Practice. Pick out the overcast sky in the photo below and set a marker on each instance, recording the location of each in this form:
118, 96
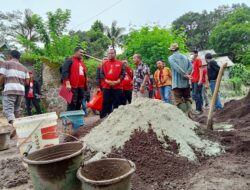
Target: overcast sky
126, 12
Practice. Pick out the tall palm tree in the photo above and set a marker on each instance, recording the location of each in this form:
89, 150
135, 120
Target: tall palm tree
27, 27
23, 30
115, 34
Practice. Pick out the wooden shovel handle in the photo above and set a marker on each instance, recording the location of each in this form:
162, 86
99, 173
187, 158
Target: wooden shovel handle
217, 87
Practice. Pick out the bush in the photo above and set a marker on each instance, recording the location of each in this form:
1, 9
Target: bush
237, 83
92, 66
239, 71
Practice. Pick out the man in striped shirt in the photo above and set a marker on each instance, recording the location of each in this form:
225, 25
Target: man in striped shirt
14, 76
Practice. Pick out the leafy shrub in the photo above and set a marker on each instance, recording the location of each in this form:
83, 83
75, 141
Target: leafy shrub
239, 71
91, 65
237, 83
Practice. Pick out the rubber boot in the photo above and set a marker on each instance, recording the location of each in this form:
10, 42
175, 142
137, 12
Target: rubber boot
189, 107
182, 107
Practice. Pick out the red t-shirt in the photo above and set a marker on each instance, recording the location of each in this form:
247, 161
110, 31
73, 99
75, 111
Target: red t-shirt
30, 93
77, 73
127, 82
204, 73
112, 71
196, 70
81, 75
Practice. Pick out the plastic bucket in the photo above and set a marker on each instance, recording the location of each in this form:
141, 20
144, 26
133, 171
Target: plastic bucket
4, 140
75, 117
45, 135
107, 174
55, 168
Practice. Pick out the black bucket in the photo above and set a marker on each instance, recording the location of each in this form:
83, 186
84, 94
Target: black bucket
55, 168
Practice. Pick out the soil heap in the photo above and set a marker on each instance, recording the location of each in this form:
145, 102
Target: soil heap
168, 123
236, 112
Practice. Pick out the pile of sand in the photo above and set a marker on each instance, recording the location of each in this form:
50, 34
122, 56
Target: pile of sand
167, 121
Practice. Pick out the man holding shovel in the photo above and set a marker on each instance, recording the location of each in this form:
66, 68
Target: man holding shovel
181, 70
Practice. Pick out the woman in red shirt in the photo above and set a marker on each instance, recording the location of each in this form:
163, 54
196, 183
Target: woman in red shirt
127, 84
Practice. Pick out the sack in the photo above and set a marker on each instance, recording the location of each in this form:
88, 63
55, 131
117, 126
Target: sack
96, 102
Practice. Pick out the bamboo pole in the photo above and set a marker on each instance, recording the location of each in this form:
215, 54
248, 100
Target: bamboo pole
25, 140
217, 87
97, 59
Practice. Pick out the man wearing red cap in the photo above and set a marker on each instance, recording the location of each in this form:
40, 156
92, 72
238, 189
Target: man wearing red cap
32, 95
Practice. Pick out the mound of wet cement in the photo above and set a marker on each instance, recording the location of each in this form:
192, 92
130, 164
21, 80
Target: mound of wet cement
167, 121
12, 173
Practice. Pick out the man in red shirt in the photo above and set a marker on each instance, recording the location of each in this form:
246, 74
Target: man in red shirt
197, 82
127, 84
112, 73
205, 87
75, 79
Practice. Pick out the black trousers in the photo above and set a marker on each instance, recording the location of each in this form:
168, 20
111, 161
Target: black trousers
111, 100
78, 94
35, 102
126, 97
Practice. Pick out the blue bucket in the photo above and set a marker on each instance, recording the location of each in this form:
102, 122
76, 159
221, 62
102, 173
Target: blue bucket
76, 117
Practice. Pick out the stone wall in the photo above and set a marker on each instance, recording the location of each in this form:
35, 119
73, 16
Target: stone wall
50, 90
53, 101
51, 76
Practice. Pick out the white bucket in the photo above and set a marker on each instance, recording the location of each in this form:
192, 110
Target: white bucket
45, 135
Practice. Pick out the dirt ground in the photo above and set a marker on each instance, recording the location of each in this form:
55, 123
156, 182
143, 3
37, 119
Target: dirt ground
14, 174
159, 170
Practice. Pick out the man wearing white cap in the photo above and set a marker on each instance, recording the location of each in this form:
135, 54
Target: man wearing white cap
181, 70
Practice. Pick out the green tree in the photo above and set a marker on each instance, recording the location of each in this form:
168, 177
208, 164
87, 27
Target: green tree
198, 26
96, 41
152, 43
16, 23
189, 23
57, 45
115, 34
54, 26
232, 35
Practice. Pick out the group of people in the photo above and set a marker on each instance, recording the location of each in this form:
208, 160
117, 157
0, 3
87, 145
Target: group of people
120, 85
186, 73
117, 81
